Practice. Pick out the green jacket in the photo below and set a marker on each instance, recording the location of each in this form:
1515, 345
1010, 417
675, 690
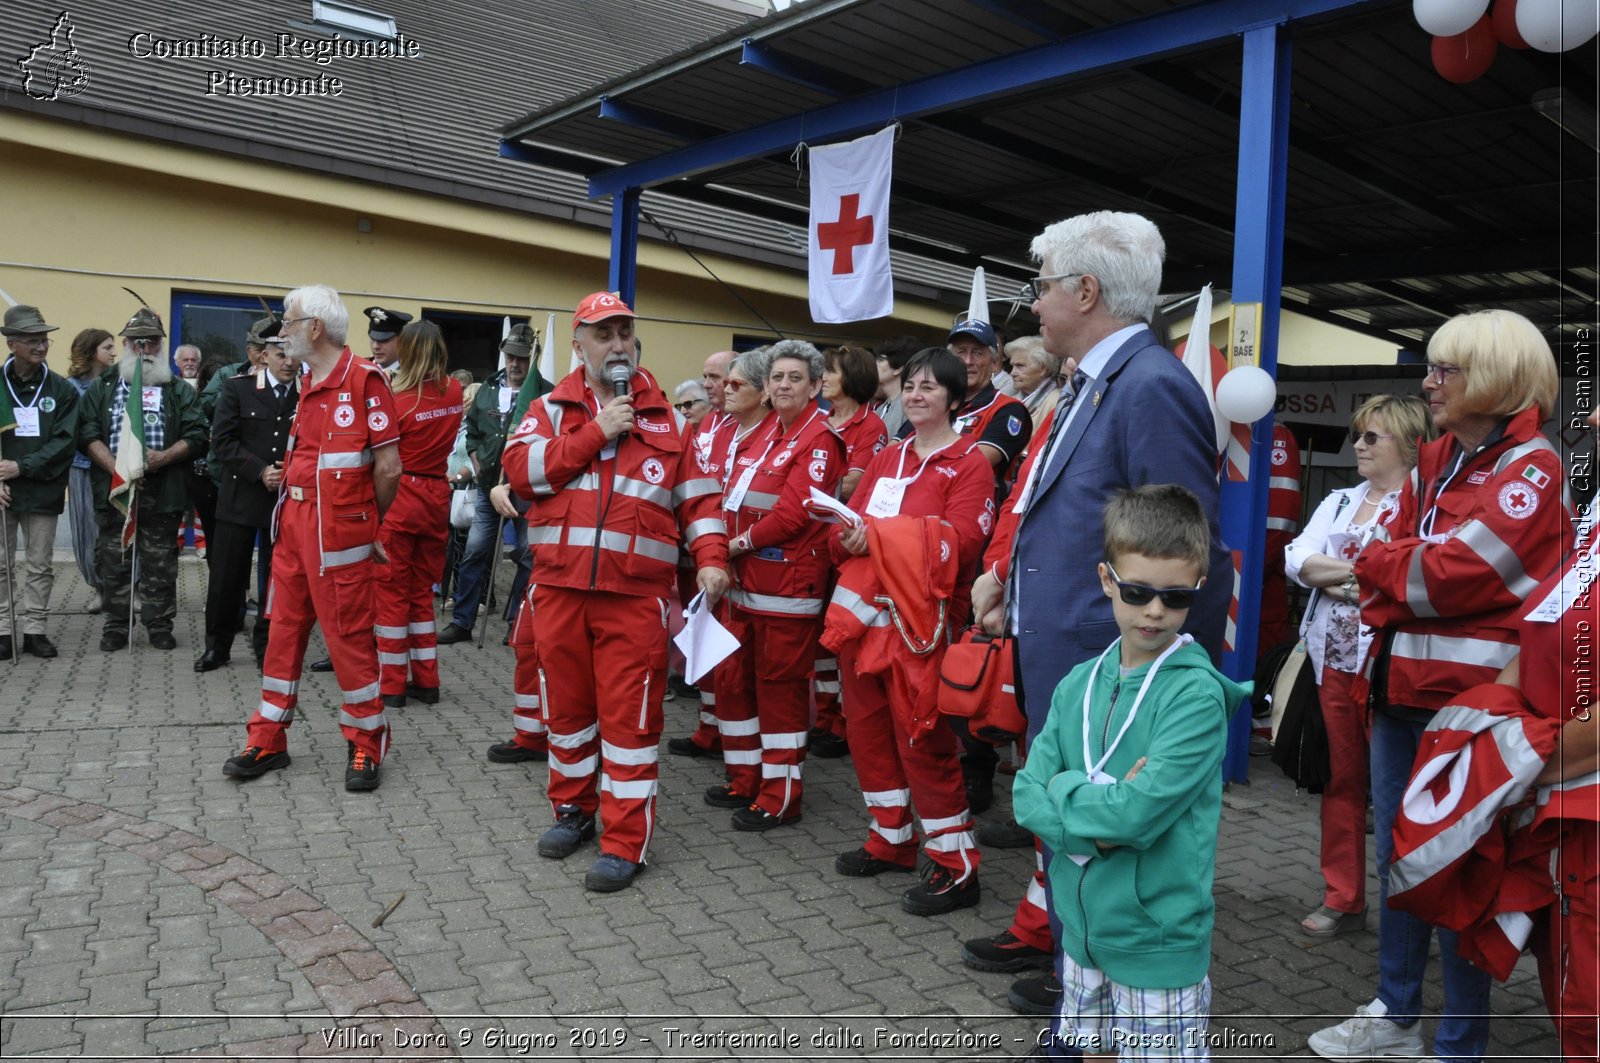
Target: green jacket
45, 459
165, 490
1140, 912
487, 427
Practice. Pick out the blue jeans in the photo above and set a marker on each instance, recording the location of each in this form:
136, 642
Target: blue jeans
473, 572
1403, 939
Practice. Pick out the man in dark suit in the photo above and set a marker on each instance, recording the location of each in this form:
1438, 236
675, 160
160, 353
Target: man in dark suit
1137, 417
248, 435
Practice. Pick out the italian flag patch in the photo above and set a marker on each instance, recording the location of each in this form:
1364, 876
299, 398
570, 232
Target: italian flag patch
1535, 477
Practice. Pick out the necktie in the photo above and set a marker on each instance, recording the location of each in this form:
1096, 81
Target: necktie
1079, 379
277, 392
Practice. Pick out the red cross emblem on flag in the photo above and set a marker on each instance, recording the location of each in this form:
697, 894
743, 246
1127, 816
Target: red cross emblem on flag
843, 236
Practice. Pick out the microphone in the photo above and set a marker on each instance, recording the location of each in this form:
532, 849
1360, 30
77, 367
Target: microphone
621, 377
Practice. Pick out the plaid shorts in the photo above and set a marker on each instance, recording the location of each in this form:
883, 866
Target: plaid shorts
1099, 1016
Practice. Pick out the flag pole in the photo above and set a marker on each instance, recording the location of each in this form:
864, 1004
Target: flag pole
133, 575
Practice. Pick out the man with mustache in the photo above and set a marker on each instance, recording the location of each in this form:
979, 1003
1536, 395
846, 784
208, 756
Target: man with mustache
174, 435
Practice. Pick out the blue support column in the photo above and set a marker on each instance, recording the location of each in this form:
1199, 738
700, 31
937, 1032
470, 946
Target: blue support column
1257, 278
625, 244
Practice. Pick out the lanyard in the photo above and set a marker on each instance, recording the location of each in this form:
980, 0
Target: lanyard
1431, 514
901, 467
1092, 771
733, 450
16, 403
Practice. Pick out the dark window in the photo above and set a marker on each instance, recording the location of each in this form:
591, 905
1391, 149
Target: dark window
473, 340
217, 324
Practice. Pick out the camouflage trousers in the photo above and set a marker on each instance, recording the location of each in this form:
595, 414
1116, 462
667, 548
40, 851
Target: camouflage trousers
157, 546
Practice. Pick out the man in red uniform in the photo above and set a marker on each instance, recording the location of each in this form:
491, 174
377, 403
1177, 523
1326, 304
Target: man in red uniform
340, 473
615, 484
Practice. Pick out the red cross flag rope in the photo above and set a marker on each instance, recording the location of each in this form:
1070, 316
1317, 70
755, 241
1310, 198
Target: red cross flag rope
851, 278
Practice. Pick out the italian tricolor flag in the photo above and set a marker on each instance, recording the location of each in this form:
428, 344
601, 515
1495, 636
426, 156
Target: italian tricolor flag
130, 455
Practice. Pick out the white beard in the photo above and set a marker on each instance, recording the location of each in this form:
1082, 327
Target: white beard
156, 369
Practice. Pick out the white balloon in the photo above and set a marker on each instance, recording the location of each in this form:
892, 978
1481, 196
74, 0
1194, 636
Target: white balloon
1557, 25
1446, 18
1246, 393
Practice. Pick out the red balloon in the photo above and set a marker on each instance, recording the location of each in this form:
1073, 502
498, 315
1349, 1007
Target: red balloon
1504, 16
1465, 56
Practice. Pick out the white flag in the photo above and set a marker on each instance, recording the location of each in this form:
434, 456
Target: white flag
851, 279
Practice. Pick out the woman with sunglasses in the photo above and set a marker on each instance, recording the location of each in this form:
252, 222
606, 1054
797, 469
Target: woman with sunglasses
936, 472
689, 399
1443, 584
1385, 433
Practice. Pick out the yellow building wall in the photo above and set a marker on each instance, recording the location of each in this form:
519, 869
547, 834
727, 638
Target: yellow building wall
87, 212
1303, 341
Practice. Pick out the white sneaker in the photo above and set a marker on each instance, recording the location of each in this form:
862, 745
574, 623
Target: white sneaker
1368, 1035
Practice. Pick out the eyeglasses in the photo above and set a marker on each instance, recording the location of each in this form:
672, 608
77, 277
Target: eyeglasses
1369, 437
1439, 372
1034, 290
286, 322
1139, 594
41, 344
685, 407
735, 384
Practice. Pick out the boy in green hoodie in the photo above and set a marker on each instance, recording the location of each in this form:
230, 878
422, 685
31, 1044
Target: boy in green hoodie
1124, 785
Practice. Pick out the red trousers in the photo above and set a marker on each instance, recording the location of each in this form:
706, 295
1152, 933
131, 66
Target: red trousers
527, 715
1566, 941
341, 600
602, 704
764, 702
896, 775
405, 628
1031, 921
1344, 799
826, 692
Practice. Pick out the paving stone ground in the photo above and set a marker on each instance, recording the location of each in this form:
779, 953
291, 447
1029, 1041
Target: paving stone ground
151, 908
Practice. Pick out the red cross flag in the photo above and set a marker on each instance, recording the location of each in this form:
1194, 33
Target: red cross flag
851, 279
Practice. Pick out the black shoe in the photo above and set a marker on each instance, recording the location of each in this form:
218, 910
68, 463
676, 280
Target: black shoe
827, 745
1004, 953
1035, 996
679, 687
611, 873
394, 701
688, 747
723, 796
452, 634
210, 661
112, 641
759, 819
426, 695
941, 892
362, 771
1008, 835
862, 864
511, 753
324, 665
163, 640
38, 645
572, 829
253, 762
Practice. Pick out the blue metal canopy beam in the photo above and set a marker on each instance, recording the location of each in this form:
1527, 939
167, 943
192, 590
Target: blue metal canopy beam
656, 121
801, 72
1100, 49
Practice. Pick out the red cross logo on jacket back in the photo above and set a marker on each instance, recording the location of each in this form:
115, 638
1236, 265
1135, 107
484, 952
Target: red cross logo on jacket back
842, 237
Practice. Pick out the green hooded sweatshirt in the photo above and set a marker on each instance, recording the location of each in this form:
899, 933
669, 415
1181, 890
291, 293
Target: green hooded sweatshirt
1141, 911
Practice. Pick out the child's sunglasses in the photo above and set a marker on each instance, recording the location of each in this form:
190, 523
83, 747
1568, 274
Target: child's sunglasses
1139, 594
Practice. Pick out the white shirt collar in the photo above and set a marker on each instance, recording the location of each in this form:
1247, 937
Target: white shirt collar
1093, 364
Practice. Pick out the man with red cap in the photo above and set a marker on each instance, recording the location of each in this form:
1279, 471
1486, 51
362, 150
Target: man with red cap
340, 472
615, 484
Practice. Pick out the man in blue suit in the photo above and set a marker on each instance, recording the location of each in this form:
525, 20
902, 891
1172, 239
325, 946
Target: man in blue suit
1137, 417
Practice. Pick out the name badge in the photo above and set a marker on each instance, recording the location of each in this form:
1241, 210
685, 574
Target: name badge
887, 495
506, 397
152, 399
1573, 586
733, 498
27, 422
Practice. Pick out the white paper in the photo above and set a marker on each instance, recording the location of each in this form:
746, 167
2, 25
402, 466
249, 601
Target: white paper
27, 422
827, 508
1574, 585
704, 641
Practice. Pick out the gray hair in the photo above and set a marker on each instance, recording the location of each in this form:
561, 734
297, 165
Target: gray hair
1124, 251
691, 389
1033, 349
801, 350
323, 303
753, 366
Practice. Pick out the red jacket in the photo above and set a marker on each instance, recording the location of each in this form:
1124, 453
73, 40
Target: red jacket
430, 419
863, 435
1447, 574
786, 572
337, 426
997, 558
610, 518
